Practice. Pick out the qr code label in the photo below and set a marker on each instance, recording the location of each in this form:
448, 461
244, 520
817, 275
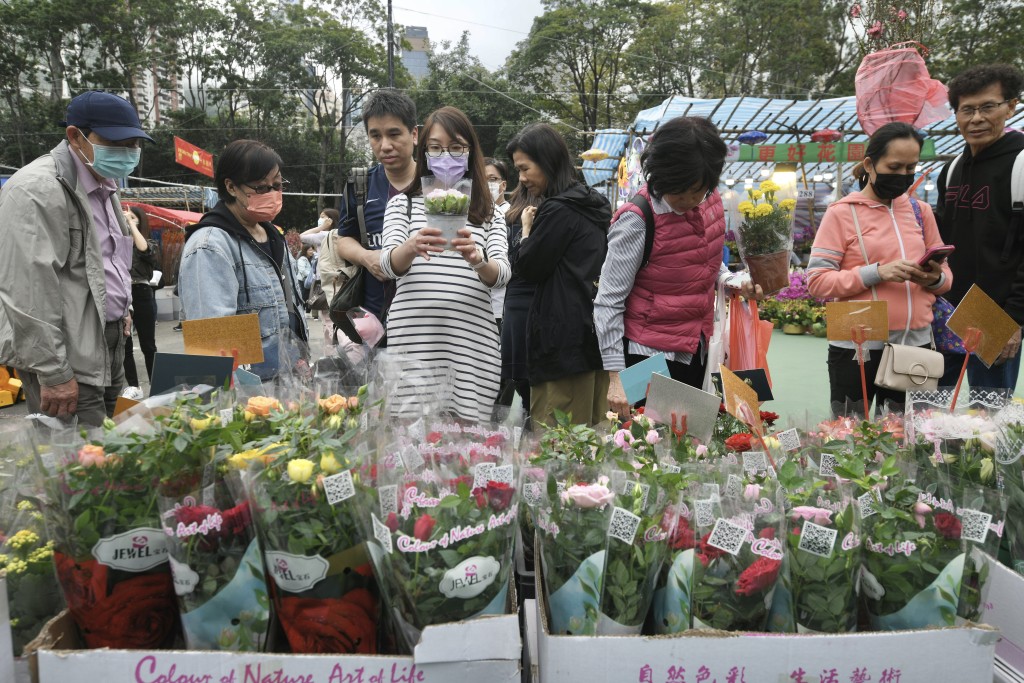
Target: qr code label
866, 502
225, 416
559, 488
733, 486
817, 540
672, 468
411, 458
704, 512
618, 481
827, 466
517, 436
755, 461
482, 474
623, 525
417, 431
727, 536
789, 440
975, 524
532, 493
382, 533
339, 487
388, 496
503, 474
364, 422
772, 474
712, 491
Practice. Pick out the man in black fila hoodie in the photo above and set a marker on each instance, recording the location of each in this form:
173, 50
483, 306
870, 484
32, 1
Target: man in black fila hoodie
975, 210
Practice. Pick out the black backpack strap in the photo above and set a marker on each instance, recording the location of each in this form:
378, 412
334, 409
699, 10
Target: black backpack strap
408, 208
358, 183
640, 202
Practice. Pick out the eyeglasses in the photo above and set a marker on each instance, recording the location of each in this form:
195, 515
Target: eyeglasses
456, 149
263, 189
985, 110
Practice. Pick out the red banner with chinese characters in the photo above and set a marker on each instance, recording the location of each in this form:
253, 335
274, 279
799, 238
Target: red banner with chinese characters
193, 157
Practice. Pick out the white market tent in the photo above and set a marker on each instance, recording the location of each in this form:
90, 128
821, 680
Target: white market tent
783, 121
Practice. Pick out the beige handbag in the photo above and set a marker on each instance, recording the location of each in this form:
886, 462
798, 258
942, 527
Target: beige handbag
909, 368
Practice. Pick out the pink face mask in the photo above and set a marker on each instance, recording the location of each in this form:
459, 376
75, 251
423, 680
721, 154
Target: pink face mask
264, 207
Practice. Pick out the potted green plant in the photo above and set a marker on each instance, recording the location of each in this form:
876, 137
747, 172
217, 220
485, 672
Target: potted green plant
765, 237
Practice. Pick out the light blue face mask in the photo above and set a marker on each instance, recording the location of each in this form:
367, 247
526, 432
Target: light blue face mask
113, 162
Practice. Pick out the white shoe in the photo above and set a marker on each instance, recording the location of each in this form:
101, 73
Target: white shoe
133, 393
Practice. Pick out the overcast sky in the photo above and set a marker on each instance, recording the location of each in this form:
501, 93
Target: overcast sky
494, 27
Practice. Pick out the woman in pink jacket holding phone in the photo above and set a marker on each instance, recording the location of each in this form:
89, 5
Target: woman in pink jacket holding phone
879, 244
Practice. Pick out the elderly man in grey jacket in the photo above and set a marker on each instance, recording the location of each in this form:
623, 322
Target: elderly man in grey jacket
65, 255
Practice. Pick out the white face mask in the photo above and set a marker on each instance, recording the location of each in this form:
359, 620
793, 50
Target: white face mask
324, 220
494, 187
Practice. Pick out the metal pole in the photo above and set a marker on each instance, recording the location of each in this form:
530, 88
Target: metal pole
391, 48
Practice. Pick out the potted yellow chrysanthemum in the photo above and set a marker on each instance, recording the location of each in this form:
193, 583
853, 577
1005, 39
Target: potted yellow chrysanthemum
765, 238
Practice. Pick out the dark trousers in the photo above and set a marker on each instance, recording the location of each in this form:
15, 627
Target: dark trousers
94, 403
144, 319
978, 376
845, 387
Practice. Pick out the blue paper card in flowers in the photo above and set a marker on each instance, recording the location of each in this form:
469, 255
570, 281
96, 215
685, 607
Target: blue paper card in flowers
636, 378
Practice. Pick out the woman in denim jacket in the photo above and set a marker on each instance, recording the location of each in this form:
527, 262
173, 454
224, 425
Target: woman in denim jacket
236, 262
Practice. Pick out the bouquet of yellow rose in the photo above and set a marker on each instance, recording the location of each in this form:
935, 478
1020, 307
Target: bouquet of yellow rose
300, 482
765, 237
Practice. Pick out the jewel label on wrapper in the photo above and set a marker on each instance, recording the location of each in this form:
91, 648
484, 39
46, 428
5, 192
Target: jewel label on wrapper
132, 551
295, 573
339, 487
469, 578
185, 578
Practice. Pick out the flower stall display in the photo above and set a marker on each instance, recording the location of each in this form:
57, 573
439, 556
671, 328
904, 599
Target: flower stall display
739, 555
765, 237
300, 485
440, 525
110, 549
26, 554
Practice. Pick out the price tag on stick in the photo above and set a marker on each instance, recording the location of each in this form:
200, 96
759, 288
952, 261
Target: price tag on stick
978, 310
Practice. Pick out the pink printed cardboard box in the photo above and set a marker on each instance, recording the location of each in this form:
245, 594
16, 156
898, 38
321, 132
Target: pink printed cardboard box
962, 654
1003, 607
485, 649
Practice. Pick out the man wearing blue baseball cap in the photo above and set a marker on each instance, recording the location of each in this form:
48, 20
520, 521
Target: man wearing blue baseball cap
66, 255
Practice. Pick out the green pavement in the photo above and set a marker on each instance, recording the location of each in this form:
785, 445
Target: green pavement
800, 379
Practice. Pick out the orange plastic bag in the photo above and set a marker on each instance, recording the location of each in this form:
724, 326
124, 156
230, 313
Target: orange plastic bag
894, 85
749, 337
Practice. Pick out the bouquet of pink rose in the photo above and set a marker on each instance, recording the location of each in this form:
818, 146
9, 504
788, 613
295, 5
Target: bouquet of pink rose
573, 520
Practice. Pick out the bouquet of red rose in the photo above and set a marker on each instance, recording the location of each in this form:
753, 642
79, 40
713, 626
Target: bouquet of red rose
300, 483
441, 523
738, 557
912, 555
109, 546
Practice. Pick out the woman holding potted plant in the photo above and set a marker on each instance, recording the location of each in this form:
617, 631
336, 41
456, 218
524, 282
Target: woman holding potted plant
666, 304
870, 246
